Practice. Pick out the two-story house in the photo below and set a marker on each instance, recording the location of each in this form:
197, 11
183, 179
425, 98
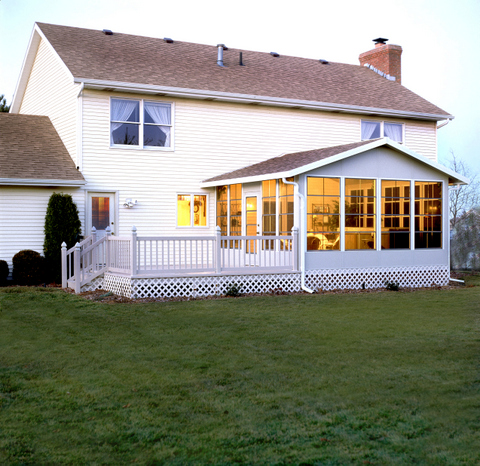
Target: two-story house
185, 140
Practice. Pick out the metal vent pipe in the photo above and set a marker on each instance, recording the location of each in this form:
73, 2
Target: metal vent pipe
221, 48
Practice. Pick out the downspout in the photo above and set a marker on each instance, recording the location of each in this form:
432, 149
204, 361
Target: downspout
301, 233
81, 89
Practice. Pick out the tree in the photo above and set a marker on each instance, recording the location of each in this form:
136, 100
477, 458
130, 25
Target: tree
3, 104
62, 223
465, 244
463, 197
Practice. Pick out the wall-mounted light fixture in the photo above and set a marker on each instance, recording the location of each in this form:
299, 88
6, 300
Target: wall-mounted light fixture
129, 203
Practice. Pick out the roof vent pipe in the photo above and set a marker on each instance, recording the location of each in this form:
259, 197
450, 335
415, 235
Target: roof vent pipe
221, 48
241, 59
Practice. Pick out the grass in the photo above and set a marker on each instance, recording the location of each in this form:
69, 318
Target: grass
378, 378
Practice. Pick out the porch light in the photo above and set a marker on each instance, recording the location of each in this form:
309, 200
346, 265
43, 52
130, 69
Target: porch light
129, 203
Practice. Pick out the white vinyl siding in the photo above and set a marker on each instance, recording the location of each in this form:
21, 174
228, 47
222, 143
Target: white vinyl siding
421, 137
50, 91
22, 217
210, 138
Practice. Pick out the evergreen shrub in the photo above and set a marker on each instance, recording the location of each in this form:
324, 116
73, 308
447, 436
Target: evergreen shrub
3, 272
62, 223
28, 268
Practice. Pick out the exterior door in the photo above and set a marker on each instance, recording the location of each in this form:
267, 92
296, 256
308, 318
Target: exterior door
101, 210
252, 223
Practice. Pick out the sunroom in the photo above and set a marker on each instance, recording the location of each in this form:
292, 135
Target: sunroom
373, 209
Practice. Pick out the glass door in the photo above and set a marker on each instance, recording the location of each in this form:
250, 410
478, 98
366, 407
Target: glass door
101, 213
252, 224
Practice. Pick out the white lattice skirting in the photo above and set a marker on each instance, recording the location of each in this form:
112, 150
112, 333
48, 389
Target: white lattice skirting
317, 280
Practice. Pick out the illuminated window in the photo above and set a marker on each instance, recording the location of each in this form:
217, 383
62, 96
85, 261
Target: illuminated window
191, 213
428, 215
140, 123
269, 199
285, 218
360, 214
395, 214
323, 213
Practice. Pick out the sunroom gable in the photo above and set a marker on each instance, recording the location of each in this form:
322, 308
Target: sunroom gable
301, 162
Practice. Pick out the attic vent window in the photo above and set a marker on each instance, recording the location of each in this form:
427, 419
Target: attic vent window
323, 62
107, 32
274, 54
168, 40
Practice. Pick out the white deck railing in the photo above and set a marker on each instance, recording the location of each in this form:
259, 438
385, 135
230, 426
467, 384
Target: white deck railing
157, 256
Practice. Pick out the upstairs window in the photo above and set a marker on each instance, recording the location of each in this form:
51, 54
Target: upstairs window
141, 124
380, 129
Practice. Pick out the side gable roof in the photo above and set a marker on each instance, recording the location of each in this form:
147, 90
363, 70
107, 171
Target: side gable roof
151, 65
301, 162
32, 153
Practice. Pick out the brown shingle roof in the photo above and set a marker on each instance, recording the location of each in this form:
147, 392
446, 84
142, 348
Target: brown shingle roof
90, 54
31, 149
288, 162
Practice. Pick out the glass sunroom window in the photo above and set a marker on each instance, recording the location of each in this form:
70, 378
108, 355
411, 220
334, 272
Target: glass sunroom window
323, 213
360, 216
395, 214
285, 218
269, 212
428, 215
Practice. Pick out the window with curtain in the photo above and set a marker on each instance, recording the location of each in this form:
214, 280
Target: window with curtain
380, 129
140, 123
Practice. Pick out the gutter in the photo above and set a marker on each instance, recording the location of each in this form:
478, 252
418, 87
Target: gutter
40, 182
252, 99
302, 234
445, 123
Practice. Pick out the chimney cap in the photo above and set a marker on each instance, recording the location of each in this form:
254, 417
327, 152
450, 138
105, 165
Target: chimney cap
380, 41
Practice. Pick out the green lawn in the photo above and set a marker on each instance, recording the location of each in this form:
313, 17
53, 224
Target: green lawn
374, 378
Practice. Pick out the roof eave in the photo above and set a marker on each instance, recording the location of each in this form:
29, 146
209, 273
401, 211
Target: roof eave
96, 84
41, 182
454, 178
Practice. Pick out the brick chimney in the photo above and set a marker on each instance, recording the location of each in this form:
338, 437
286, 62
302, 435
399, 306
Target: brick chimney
386, 58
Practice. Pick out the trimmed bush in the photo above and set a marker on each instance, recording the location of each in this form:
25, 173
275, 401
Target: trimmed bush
3, 272
62, 223
28, 268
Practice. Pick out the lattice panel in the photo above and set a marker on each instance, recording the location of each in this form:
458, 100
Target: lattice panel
317, 280
211, 286
118, 284
95, 284
354, 279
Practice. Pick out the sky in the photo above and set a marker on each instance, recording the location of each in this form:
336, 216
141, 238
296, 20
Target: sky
440, 41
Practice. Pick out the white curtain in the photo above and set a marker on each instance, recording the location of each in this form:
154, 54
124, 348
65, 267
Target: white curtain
160, 114
393, 131
121, 111
368, 128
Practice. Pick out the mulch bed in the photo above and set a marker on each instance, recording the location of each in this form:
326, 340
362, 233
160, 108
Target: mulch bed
109, 297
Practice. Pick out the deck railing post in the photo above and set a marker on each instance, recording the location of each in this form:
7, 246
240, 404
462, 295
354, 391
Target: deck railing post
133, 251
295, 248
64, 265
94, 234
108, 234
76, 268
218, 249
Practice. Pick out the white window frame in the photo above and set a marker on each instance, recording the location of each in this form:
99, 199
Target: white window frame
192, 212
382, 128
141, 125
